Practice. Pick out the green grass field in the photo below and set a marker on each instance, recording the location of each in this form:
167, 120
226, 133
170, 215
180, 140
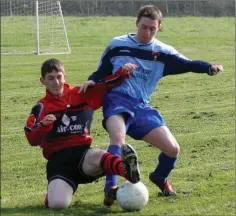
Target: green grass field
199, 110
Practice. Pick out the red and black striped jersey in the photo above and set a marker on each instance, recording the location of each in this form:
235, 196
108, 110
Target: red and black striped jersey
74, 115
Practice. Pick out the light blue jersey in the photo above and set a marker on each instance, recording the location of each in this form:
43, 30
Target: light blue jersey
154, 60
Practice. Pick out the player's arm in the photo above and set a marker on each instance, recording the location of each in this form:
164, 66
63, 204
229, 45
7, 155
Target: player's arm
38, 125
104, 69
111, 80
118, 77
174, 64
95, 95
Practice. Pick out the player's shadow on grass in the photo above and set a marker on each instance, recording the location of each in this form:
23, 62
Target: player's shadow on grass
77, 208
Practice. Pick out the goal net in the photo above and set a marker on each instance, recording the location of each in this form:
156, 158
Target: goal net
29, 26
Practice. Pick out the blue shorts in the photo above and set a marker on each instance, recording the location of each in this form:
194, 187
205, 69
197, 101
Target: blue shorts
141, 117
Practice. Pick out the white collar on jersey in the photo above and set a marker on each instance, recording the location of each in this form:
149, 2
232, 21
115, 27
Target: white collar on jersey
131, 36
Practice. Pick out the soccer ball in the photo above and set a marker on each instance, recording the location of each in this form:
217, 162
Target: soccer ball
132, 197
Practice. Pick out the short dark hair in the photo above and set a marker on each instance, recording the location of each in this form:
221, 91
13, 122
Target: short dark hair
51, 65
150, 11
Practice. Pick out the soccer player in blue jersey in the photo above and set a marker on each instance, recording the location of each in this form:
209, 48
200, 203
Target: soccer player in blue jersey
126, 108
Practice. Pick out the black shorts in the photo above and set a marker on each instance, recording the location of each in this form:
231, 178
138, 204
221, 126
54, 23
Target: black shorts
67, 165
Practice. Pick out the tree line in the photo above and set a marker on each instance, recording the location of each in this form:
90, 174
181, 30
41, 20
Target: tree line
130, 7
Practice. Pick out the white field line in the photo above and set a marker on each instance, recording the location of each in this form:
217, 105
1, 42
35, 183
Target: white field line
190, 91
21, 93
26, 153
16, 129
185, 91
202, 108
31, 192
31, 150
176, 134
169, 112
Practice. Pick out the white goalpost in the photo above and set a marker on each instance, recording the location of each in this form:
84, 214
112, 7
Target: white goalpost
29, 26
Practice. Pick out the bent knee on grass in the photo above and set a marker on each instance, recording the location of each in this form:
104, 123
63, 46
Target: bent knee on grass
59, 194
59, 202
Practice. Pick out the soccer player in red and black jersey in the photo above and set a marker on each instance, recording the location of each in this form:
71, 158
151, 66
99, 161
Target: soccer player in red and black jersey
60, 124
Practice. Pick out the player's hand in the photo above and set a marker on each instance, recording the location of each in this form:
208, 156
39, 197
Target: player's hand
84, 87
128, 68
48, 120
215, 69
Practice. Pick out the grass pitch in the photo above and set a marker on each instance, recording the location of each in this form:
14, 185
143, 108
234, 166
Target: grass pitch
199, 110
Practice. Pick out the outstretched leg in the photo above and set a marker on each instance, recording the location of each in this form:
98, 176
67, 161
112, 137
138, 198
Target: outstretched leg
97, 161
162, 138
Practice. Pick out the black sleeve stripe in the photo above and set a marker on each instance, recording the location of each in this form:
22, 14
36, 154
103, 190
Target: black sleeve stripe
28, 130
37, 110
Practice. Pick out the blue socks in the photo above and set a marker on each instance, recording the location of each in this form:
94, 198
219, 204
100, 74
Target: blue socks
165, 166
112, 180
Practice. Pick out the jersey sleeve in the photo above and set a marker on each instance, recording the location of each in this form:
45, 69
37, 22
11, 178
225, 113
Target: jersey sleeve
35, 132
175, 64
96, 93
104, 67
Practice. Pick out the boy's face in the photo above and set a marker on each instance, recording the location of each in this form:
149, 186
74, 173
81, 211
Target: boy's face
54, 82
147, 29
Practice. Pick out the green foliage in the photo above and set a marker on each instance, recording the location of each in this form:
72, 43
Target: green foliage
199, 110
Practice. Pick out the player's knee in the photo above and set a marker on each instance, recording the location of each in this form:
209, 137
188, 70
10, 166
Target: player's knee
93, 157
174, 151
59, 202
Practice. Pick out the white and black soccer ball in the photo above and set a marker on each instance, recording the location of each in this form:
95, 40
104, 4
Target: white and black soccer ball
132, 197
